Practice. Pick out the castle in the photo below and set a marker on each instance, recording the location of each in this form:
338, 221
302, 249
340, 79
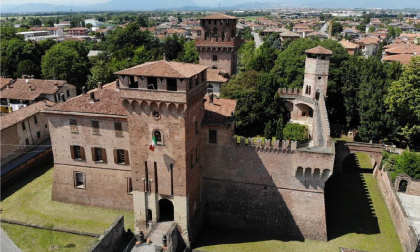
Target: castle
154, 143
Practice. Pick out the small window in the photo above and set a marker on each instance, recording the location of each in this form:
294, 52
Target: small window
35, 119
27, 141
214, 57
98, 154
121, 156
79, 180
95, 127
118, 129
73, 125
192, 159
152, 83
77, 152
171, 84
129, 186
197, 153
158, 136
46, 125
196, 127
68, 93
23, 126
212, 136
38, 134
323, 57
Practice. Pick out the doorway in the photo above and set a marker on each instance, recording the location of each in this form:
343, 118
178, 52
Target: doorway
166, 210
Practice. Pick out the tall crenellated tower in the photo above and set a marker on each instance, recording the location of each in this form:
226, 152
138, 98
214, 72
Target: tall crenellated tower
316, 71
218, 44
165, 104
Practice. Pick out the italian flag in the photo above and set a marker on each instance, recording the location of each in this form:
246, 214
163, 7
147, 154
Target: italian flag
152, 145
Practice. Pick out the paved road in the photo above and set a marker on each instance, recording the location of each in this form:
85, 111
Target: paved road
257, 39
324, 29
7, 245
411, 205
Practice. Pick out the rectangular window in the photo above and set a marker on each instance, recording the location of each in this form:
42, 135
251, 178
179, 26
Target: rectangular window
98, 154
192, 158
77, 152
196, 127
95, 127
68, 93
121, 156
129, 186
27, 141
73, 125
38, 134
35, 119
171, 84
118, 129
197, 153
79, 180
212, 136
214, 57
23, 126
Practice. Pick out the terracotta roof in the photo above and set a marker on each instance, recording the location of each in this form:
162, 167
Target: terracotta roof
107, 102
4, 82
319, 50
163, 68
348, 45
216, 75
78, 29
219, 16
220, 112
44, 28
402, 58
318, 34
289, 34
10, 119
403, 49
368, 41
20, 89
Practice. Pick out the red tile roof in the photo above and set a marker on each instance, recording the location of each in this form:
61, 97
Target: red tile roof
319, 50
348, 45
163, 68
21, 89
402, 58
44, 28
216, 75
4, 82
218, 16
107, 102
10, 119
368, 41
220, 112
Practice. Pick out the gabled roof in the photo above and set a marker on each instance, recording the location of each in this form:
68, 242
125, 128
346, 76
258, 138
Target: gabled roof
44, 28
368, 41
21, 89
163, 68
319, 50
107, 102
348, 45
403, 58
219, 16
220, 112
10, 119
217, 75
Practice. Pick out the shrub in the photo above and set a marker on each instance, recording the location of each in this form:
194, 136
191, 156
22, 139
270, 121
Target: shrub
295, 132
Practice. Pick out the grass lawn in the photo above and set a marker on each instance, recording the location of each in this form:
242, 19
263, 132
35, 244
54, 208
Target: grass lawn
356, 219
343, 138
38, 240
29, 201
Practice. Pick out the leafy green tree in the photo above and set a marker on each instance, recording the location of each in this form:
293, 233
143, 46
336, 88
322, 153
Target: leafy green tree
189, 54
89, 26
403, 100
406, 163
295, 132
337, 28
245, 53
62, 61
173, 46
28, 67
264, 58
46, 44
101, 72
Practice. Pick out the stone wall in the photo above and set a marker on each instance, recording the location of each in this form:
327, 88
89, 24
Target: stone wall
398, 215
110, 239
413, 185
257, 189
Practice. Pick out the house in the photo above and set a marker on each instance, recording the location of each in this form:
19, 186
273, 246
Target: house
37, 35
63, 24
350, 47
22, 92
23, 130
368, 45
56, 31
215, 79
402, 58
267, 32
289, 35
78, 31
93, 22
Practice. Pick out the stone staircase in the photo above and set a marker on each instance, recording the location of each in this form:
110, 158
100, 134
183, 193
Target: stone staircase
156, 237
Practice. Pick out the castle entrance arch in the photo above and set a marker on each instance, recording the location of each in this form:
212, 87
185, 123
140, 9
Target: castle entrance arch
166, 210
402, 187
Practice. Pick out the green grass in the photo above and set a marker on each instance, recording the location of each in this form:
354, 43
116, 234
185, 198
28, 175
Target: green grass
361, 221
31, 203
343, 138
38, 240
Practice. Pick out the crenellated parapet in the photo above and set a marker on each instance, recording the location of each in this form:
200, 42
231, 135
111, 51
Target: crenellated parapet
266, 144
156, 109
296, 94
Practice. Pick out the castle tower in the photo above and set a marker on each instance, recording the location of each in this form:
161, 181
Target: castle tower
316, 71
165, 103
218, 43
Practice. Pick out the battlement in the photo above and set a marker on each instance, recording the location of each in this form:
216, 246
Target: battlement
295, 93
218, 42
267, 144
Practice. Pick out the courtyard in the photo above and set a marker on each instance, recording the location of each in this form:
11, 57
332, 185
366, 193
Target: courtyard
357, 218
29, 201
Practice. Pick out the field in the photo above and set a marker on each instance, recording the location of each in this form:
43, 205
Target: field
30, 201
356, 218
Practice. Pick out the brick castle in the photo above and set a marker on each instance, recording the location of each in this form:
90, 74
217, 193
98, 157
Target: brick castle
197, 172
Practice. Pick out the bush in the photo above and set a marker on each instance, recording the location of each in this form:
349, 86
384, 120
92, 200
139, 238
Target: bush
406, 163
295, 132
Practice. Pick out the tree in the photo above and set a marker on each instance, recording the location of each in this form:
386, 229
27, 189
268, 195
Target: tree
101, 72
28, 67
63, 62
172, 46
264, 58
245, 53
89, 26
403, 100
337, 28
295, 132
189, 53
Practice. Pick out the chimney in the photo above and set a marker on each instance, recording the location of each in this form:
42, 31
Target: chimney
31, 88
84, 90
117, 83
62, 97
211, 98
56, 85
92, 97
24, 76
33, 77
99, 85
164, 56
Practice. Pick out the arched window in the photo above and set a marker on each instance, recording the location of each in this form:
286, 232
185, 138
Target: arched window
402, 187
307, 89
316, 174
215, 31
308, 172
326, 174
158, 135
299, 172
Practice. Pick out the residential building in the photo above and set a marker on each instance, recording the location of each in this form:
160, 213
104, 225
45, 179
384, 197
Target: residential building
78, 31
